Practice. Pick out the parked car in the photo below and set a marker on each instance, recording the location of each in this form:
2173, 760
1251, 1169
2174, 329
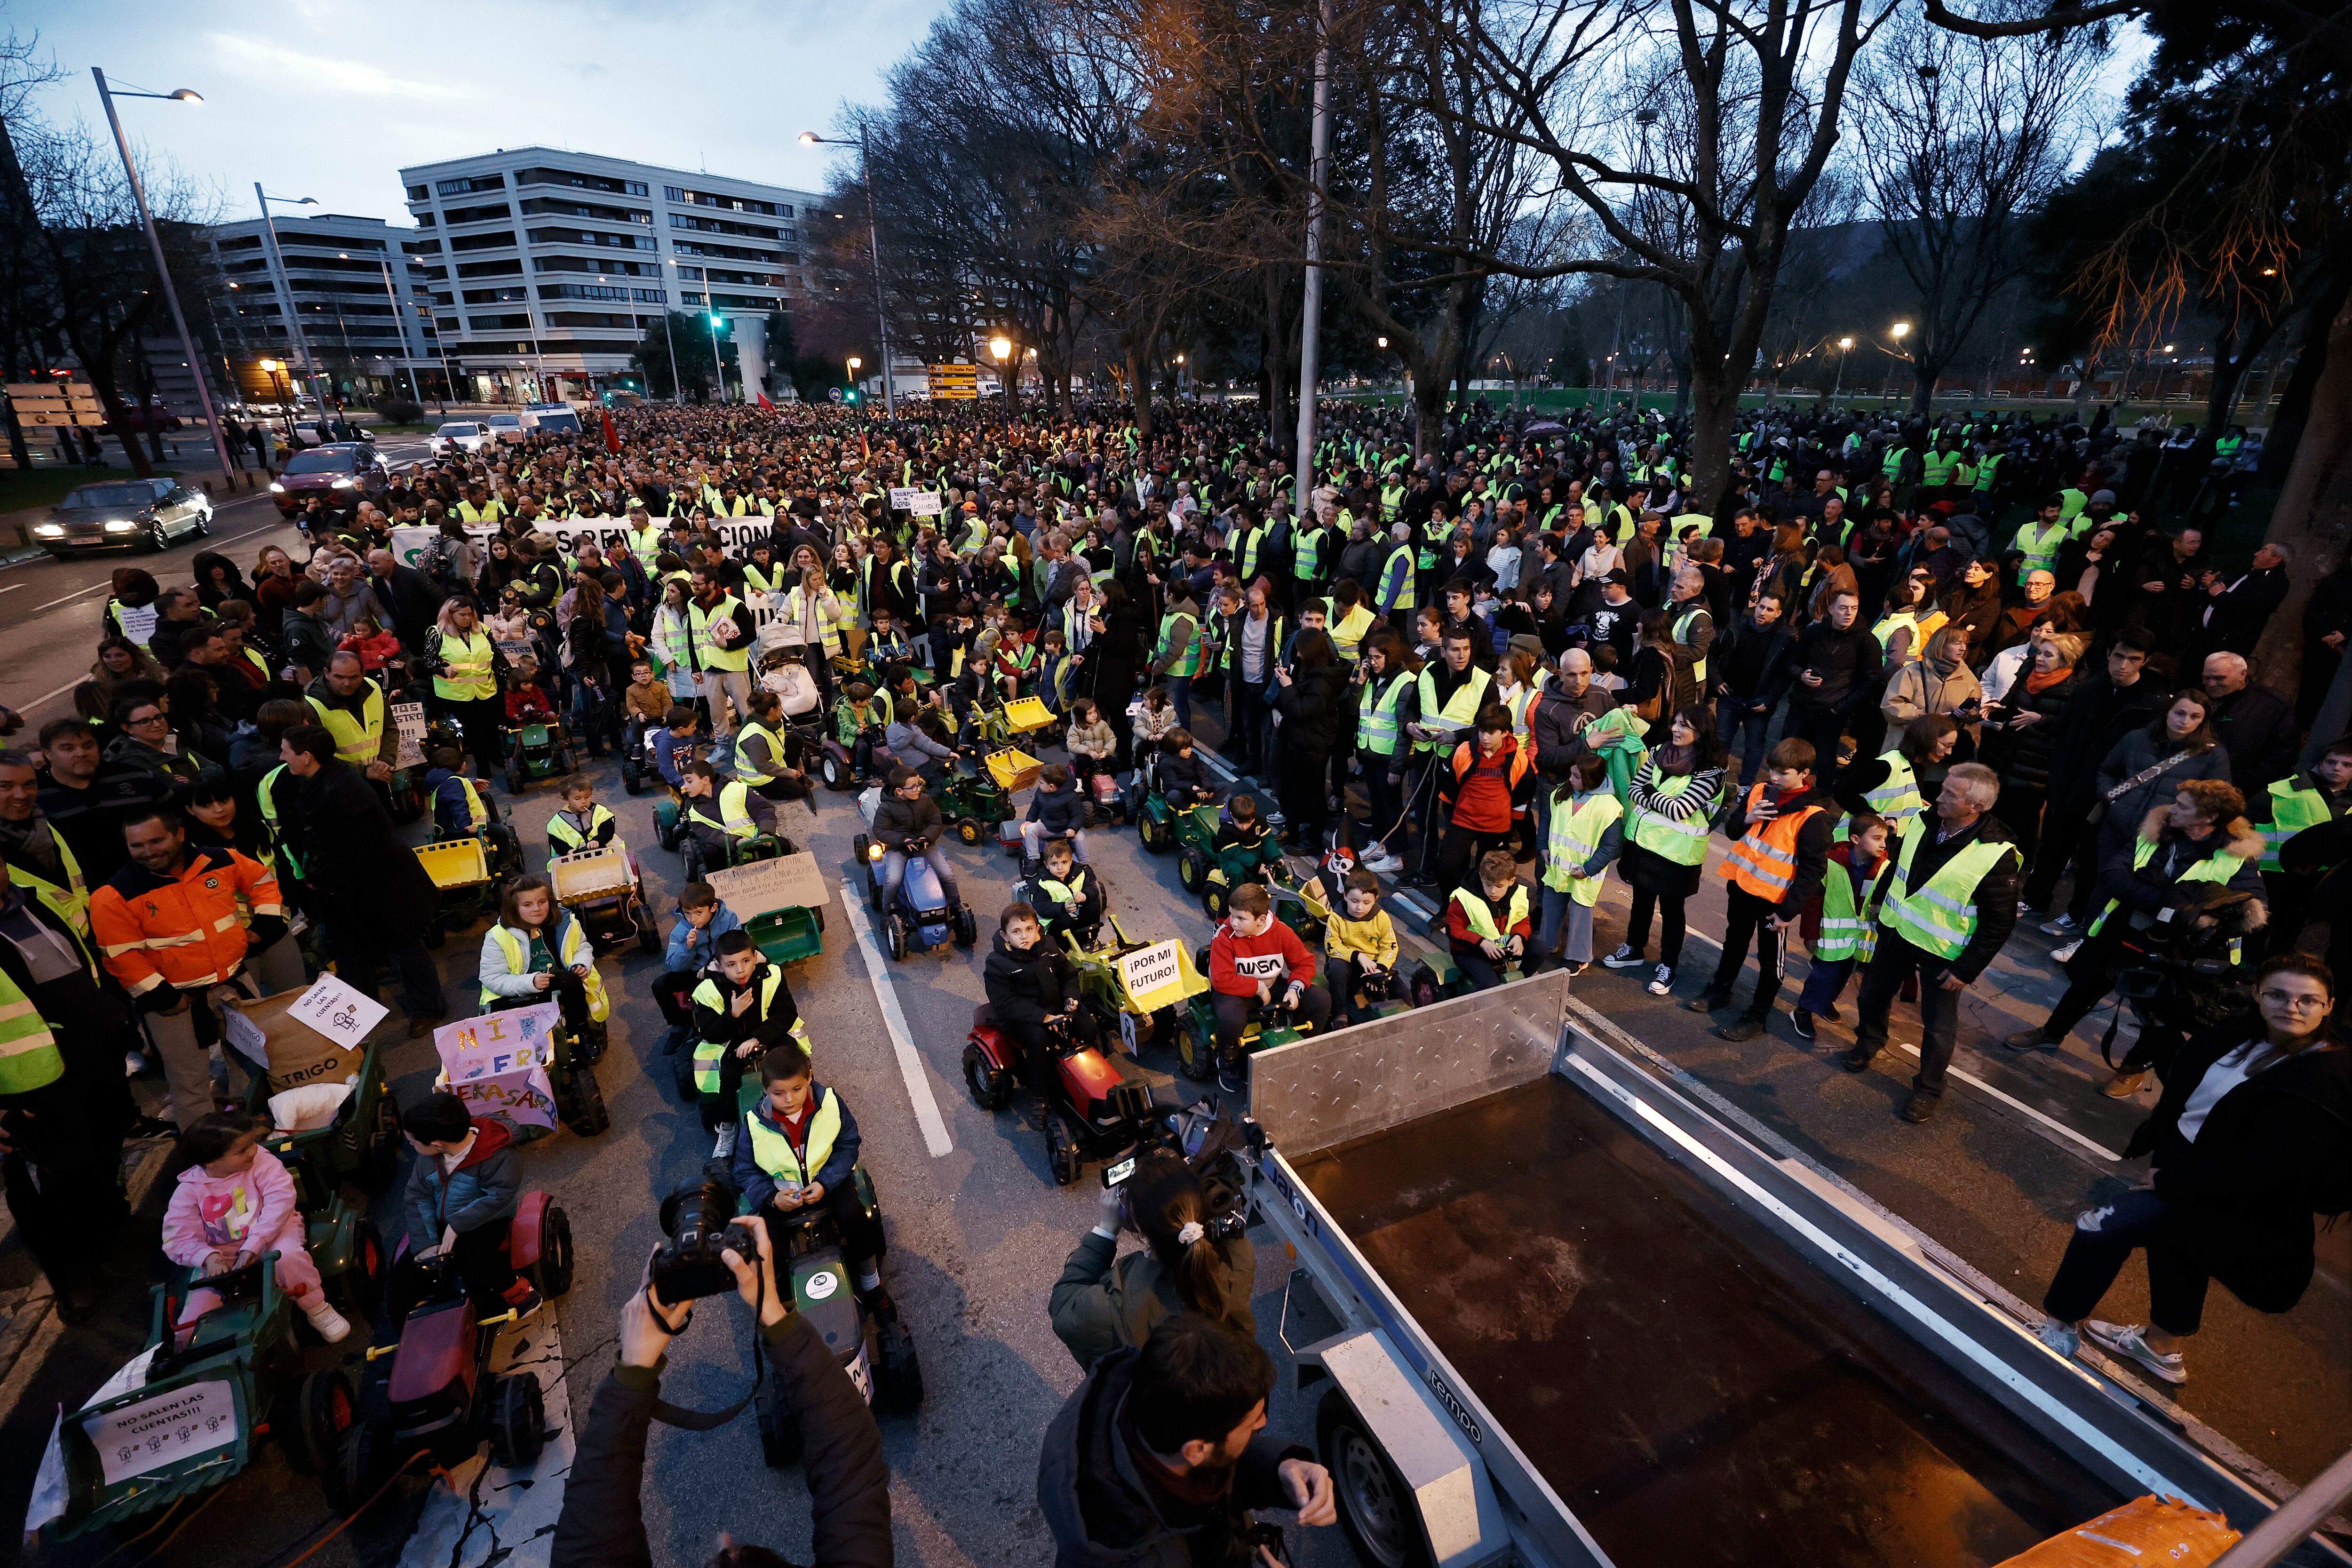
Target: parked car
506, 426
345, 473
122, 514
558, 418
460, 436
147, 418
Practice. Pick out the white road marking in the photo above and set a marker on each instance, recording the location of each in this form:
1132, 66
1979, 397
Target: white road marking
11, 588
894, 1017
78, 593
483, 1514
2052, 1123
34, 706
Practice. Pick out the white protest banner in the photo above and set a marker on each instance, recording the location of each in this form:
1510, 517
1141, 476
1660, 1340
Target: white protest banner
792, 881
408, 725
157, 1433
1154, 975
245, 1038
337, 1011
920, 503
409, 542
497, 1065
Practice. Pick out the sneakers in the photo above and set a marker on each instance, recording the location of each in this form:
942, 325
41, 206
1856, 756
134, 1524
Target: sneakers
2063, 1338
1706, 1002
2129, 1340
2064, 925
1377, 859
1624, 958
1661, 981
1740, 1029
1802, 1022
333, 1326
724, 1148
2066, 954
2031, 1041
1233, 1078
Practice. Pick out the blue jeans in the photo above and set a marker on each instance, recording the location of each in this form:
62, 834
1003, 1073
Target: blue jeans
1560, 918
1743, 730
1180, 698
893, 871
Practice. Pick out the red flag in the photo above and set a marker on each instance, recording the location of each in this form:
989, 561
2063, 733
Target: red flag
612, 437
763, 401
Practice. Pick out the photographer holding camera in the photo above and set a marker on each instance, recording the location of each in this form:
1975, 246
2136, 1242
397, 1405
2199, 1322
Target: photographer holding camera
1159, 1457
602, 1522
2180, 908
1103, 1302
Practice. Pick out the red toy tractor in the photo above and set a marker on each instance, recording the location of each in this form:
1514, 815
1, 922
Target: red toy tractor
1096, 1107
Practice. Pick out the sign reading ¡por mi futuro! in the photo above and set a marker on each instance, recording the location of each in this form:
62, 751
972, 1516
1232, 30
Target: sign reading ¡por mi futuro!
1154, 975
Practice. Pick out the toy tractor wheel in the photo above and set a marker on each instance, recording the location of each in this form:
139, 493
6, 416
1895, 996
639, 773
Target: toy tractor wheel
312, 1426
649, 937
1215, 897
517, 777
380, 1160
631, 779
359, 1469
580, 1101
834, 771
780, 1435
358, 1290
1191, 871
1062, 1157
968, 830
552, 1275
518, 1422
898, 1375
967, 929
895, 928
1196, 1047
858, 848
991, 1089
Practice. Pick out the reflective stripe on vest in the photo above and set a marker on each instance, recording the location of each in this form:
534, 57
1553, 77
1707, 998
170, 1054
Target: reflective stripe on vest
713, 656
358, 738
466, 674
29, 1057
746, 770
560, 828
1684, 842
1764, 861
2217, 867
1941, 916
1481, 919
70, 902
1348, 636
1897, 800
734, 817
2039, 547
1376, 723
2291, 811
709, 1054
1401, 555
1571, 838
1461, 710
1682, 625
1849, 930
772, 1152
569, 943
1189, 661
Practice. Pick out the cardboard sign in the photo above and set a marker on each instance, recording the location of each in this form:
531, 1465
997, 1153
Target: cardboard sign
497, 1065
920, 503
337, 1011
1154, 975
408, 726
244, 1037
157, 1433
291, 1057
792, 881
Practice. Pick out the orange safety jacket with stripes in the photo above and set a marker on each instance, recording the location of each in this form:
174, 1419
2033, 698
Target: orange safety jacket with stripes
181, 930
1764, 861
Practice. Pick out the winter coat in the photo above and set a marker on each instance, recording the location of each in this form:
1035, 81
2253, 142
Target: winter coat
896, 821
1027, 988
758, 1187
352, 853
1849, 663
689, 949
1310, 707
1916, 690
1645, 870
1104, 1302
2023, 754
2256, 726
2132, 756
2155, 887
1058, 811
255, 1211
2101, 714
486, 1187
1104, 1514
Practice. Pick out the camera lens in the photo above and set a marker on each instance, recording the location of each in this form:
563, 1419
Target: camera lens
695, 1218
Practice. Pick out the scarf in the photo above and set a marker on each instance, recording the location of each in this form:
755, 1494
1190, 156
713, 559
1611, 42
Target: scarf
1675, 761
31, 841
2042, 680
1944, 667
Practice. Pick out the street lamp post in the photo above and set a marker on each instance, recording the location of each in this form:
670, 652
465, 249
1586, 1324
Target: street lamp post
1901, 329
285, 284
270, 367
873, 249
1845, 346
669, 330
163, 269
854, 362
716, 367
1001, 346
400, 328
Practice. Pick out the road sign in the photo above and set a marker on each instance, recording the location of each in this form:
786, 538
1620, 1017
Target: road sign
834, 393
955, 382
51, 403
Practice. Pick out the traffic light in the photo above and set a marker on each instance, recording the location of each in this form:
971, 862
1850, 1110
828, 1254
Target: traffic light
717, 322
849, 395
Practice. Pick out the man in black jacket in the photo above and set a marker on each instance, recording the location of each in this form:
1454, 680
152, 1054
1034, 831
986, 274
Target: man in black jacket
603, 1524
2104, 709
407, 599
1913, 920
1748, 671
2248, 1143
2236, 612
1840, 670
1159, 1457
378, 900
2256, 725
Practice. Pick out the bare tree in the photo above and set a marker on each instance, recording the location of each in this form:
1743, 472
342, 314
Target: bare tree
1961, 140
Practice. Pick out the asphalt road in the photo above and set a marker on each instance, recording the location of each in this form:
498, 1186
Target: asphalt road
978, 1235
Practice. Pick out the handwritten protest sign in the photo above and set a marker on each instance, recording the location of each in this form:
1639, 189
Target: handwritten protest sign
408, 726
157, 1433
1154, 975
497, 1065
793, 881
337, 1011
919, 503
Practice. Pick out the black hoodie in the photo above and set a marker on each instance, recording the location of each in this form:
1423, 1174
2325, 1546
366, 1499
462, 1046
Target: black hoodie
1027, 988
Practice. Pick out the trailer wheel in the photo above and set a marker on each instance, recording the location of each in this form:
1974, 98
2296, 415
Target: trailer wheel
1376, 1507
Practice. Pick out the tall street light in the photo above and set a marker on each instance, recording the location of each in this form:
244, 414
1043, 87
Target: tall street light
399, 326
285, 284
1001, 347
717, 367
163, 269
1845, 347
1901, 329
873, 249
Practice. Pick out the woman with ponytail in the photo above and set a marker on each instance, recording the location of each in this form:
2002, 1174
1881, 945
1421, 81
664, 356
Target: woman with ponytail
1104, 1301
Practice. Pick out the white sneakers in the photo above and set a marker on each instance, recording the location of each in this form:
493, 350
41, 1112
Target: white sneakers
1624, 958
1377, 859
333, 1326
1661, 981
725, 1147
2129, 1340
2060, 1337
2065, 955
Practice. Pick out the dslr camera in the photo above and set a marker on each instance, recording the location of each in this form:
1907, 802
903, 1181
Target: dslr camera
698, 1223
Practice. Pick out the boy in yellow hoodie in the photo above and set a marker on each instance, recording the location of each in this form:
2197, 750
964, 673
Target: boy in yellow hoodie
1359, 949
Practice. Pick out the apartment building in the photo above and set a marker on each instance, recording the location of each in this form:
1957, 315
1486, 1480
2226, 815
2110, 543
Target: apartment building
327, 295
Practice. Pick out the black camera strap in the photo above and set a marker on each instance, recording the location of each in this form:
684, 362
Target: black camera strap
686, 1420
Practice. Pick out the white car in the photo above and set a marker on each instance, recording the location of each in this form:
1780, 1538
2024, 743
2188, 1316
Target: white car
506, 426
459, 436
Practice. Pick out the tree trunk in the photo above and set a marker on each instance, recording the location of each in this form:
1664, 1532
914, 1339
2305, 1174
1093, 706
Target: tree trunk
1713, 397
1923, 378
2314, 517
1429, 415
1138, 387
2311, 359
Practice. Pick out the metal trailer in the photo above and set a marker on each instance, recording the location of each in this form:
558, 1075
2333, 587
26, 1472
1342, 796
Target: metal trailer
1584, 1321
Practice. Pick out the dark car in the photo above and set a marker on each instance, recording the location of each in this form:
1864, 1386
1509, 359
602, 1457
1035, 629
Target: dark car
145, 420
121, 514
345, 474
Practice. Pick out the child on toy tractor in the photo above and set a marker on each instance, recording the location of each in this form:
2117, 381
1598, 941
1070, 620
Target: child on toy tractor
1251, 954
798, 1146
1034, 990
1183, 777
1243, 842
1361, 950
1057, 814
769, 755
581, 823
1487, 924
716, 817
917, 736
861, 723
742, 1008
907, 822
235, 1203
537, 951
1066, 894
463, 1191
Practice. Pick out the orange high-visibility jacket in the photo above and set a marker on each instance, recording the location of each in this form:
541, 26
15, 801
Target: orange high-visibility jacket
183, 931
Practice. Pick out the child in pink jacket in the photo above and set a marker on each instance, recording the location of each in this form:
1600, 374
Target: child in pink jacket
235, 1202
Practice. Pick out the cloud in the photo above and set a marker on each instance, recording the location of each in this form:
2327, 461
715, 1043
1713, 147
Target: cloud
320, 72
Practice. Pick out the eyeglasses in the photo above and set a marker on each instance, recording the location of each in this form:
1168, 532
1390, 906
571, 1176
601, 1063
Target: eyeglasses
2299, 1001
135, 720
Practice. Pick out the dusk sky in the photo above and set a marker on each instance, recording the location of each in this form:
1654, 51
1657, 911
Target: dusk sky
328, 98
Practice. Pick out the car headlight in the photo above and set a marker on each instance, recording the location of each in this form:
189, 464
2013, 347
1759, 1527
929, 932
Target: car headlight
118, 526
47, 530
276, 488
344, 484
